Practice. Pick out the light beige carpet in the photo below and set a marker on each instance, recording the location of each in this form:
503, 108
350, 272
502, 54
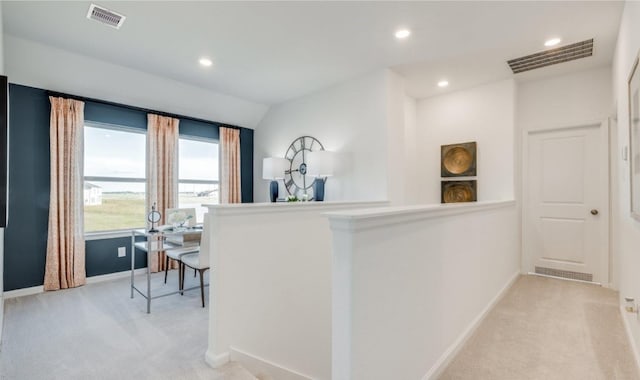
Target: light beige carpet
549, 329
98, 332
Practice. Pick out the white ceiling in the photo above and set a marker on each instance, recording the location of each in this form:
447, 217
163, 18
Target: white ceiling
269, 52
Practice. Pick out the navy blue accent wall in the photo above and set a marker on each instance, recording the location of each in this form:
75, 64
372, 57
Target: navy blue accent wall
25, 243
110, 114
25, 239
101, 257
246, 164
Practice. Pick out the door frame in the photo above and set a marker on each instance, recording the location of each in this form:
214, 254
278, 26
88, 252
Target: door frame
527, 259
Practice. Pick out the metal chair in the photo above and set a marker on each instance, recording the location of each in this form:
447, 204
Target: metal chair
198, 261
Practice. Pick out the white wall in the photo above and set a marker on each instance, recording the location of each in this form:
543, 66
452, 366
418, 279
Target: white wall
395, 138
37, 65
564, 101
580, 98
626, 229
350, 119
271, 293
485, 114
410, 284
412, 191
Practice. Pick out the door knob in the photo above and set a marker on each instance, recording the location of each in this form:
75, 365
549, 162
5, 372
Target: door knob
594, 212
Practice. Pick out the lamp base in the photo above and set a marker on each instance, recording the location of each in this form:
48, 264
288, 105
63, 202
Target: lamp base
318, 189
273, 190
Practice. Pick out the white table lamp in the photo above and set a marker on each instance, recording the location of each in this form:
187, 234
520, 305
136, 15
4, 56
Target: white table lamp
320, 164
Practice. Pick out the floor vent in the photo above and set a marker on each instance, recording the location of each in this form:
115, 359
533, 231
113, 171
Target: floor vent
105, 16
551, 57
565, 274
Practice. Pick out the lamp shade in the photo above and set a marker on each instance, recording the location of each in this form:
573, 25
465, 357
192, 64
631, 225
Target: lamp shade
274, 167
320, 163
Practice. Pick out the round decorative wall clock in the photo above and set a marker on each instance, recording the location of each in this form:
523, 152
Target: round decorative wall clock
296, 179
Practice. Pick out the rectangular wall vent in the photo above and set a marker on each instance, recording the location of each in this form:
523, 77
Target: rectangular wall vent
105, 16
553, 56
565, 274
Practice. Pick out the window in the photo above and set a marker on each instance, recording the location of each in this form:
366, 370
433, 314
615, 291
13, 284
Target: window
198, 174
114, 178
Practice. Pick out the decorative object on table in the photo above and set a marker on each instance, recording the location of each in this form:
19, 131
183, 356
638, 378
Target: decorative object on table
297, 181
291, 198
154, 217
634, 137
273, 168
458, 160
459, 191
320, 166
178, 217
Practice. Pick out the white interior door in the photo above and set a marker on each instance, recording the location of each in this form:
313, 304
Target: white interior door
567, 208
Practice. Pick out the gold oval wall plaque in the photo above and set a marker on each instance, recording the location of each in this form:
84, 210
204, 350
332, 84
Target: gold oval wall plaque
458, 160
459, 191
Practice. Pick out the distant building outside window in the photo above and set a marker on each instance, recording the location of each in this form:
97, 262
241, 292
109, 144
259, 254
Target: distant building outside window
92, 194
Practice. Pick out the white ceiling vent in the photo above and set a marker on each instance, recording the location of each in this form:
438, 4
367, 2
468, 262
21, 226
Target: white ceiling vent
105, 16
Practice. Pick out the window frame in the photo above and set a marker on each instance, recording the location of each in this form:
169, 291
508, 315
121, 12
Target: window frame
126, 232
119, 232
198, 181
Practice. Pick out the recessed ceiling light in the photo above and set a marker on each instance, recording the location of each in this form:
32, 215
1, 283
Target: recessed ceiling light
443, 83
552, 42
206, 62
402, 33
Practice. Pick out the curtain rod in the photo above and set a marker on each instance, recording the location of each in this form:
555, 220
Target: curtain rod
141, 109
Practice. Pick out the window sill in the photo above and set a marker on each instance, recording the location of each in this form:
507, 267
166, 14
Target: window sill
99, 235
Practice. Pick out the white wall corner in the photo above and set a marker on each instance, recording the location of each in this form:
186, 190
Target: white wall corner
216, 361
484, 114
349, 118
341, 297
627, 328
451, 352
263, 368
395, 133
626, 229
43, 66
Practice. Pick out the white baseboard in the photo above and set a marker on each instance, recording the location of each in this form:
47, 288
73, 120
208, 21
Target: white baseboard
216, 361
265, 369
90, 280
114, 276
632, 342
443, 361
23, 292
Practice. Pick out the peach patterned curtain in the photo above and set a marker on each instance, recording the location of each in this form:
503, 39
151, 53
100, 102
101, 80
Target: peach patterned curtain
230, 165
162, 172
65, 261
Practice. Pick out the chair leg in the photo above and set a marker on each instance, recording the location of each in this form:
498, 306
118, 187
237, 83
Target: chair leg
194, 273
182, 269
166, 268
202, 285
180, 276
